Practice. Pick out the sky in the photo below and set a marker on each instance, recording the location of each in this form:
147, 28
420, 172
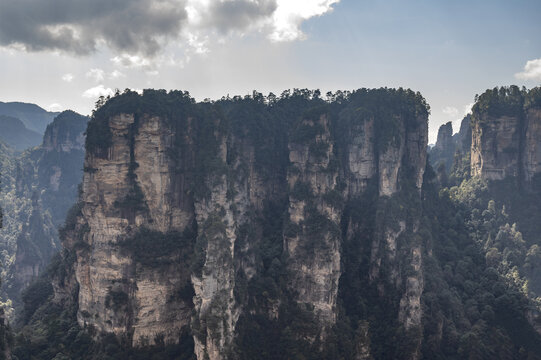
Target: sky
64, 54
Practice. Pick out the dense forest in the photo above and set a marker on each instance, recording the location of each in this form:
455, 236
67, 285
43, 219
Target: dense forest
501, 215
39, 185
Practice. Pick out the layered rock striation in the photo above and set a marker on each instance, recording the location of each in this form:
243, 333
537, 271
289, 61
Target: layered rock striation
496, 145
188, 208
505, 135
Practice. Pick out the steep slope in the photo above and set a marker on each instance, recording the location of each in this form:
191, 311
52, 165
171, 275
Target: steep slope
16, 135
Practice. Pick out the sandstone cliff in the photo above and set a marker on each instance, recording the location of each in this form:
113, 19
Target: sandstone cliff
531, 148
495, 147
196, 217
505, 135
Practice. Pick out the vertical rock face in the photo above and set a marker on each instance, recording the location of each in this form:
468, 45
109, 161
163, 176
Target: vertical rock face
120, 293
505, 135
531, 155
416, 140
361, 157
220, 216
145, 181
65, 133
312, 245
464, 135
445, 137
103, 271
396, 242
173, 231
389, 163
495, 147
507, 146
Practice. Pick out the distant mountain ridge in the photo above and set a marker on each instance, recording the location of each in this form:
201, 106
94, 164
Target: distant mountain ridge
16, 135
33, 117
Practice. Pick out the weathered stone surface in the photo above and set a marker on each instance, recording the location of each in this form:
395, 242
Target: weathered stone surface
105, 269
361, 158
464, 135
507, 146
495, 148
531, 155
444, 140
314, 258
319, 174
416, 140
390, 162
65, 142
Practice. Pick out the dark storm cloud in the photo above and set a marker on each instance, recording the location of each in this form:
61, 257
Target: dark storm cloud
130, 26
239, 14
77, 26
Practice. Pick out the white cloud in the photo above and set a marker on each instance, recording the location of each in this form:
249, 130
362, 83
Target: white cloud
116, 74
211, 22
280, 20
199, 46
532, 70
131, 61
453, 112
68, 77
290, 14
98, 91
96, 74
450, 111
454, 115
150, 67
467, 108
55, 107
